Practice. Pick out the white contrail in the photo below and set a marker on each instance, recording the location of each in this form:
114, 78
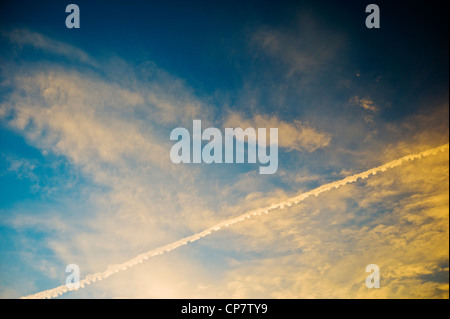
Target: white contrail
89, 279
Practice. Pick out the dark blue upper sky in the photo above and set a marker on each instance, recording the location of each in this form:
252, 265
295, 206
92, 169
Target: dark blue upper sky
206, 42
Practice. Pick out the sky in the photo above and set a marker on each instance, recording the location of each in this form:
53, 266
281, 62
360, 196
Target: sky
86, 177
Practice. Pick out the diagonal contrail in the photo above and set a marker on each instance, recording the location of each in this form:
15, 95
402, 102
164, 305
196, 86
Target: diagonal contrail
89, 279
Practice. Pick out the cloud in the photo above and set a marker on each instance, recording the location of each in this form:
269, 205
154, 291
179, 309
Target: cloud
327, 242
22, 168
297, 135
365, 103
305, 49
91, 278
93, 121
24, 37
115, 132
73, 115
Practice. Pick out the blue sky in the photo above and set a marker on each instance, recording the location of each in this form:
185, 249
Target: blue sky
85, 119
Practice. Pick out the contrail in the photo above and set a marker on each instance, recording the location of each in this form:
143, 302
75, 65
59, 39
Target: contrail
91, 278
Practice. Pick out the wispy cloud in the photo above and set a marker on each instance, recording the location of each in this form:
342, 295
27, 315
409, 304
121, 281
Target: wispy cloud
328, 242
365, 103
92, 278
292, 136
24, 37
306, 49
